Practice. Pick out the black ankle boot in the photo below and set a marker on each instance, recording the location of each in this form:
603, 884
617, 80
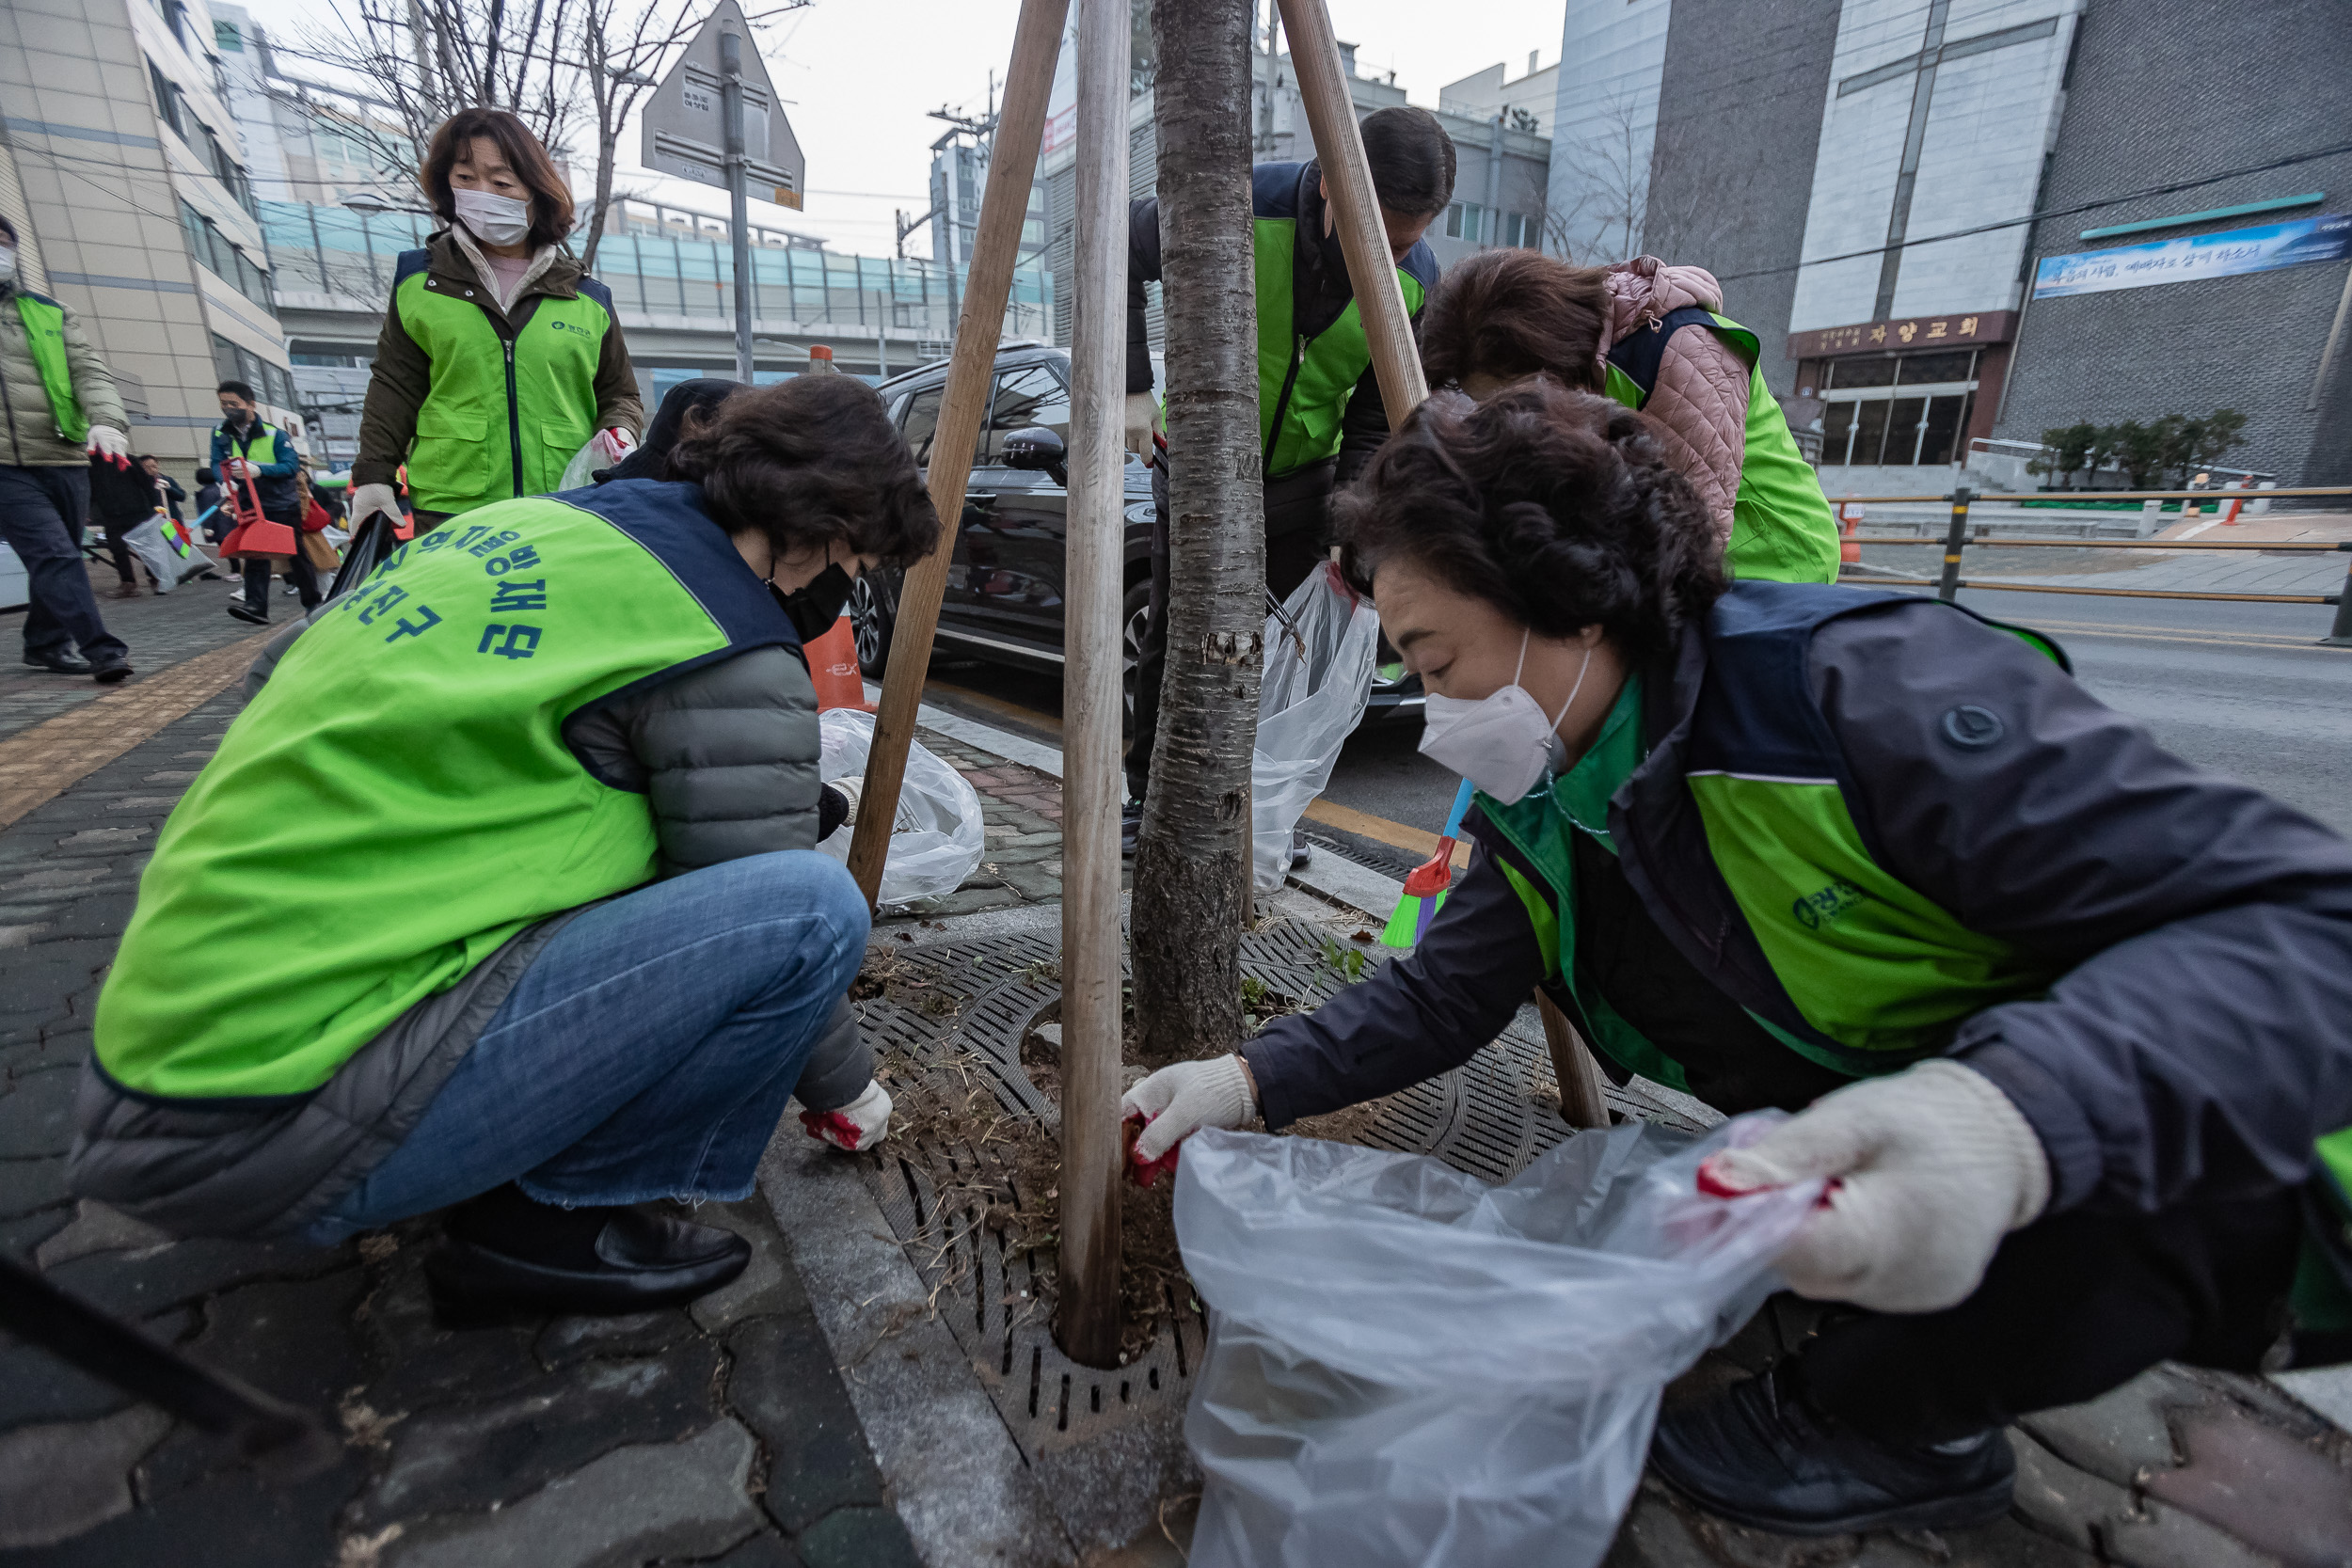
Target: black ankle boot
1758, 1454
507, 1251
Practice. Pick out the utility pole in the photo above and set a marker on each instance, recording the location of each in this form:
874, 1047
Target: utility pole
429, 89
739, 210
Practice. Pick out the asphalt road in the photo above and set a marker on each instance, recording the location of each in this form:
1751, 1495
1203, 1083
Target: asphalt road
2238, 688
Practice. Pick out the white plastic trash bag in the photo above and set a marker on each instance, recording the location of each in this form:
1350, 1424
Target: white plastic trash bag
1319, 655
938, 836
581, 469
1407, 1367
167, 551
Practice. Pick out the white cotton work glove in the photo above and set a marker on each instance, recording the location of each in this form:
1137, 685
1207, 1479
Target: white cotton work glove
1142, 419
107, 442
1177, 1102
368, 499
615, 444
1929, 1168
861, 1124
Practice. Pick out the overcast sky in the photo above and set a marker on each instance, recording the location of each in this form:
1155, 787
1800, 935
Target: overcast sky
858, 78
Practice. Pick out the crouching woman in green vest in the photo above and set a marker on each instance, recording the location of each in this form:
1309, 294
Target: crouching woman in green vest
501, 892
500, 357
1652, 337
2069, 1019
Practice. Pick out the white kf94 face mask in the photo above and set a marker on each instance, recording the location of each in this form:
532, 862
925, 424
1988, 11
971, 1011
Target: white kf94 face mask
495, 219
1500, 743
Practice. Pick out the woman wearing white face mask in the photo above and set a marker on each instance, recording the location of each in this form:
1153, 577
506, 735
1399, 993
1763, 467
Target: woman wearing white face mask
2068, 1020
500, 357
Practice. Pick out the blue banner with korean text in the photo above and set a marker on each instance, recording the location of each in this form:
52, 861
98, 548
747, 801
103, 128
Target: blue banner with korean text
2325, 238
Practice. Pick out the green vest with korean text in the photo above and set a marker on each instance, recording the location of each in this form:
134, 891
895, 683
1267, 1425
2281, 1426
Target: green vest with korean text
399, 799
1781, 526
508, 407
44, 337
1303, 383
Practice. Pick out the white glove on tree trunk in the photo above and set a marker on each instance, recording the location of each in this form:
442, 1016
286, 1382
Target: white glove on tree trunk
368, 499
1142, 418
107, 442
861, 1124
1179, 1100
1934, 1166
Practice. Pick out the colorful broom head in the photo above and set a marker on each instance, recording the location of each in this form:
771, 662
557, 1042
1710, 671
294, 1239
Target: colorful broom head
1424, 891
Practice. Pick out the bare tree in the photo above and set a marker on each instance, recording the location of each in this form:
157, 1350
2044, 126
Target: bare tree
1609, 165
1192, 861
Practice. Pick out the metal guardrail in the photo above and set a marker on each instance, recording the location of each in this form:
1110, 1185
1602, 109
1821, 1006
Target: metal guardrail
1956, 539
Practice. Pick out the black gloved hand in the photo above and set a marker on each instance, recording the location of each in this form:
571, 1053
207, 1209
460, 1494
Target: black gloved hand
833, 809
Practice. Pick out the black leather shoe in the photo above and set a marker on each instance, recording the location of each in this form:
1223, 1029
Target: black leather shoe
108, 675
59, 663
1759, 1454
636, 1262
259, 617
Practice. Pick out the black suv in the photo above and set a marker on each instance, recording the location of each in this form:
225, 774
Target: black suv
1004, 596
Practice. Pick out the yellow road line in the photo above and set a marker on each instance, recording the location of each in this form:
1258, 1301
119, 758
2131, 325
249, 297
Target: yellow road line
2151, 634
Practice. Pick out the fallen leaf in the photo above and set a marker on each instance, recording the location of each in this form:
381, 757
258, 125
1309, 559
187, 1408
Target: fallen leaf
1363, 936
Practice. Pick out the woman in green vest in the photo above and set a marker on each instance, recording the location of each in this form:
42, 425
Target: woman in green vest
2069, 1020
500, 357
1652, 337
501, 892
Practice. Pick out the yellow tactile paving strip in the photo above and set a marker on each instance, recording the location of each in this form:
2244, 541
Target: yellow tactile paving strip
43, 762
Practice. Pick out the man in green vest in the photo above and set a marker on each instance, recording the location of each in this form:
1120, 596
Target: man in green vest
1320, 416
58, 409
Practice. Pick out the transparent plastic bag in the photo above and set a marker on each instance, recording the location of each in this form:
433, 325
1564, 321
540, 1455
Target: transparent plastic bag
938, 836
1407, 1366
165, 549
1319, 653
581, 469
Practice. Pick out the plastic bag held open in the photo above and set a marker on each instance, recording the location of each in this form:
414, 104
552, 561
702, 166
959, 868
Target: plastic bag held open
1319, 655
938, 834
1409, 1368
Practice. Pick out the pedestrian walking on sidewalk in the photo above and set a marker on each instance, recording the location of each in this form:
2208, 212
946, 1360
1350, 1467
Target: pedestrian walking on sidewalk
120, 499
1320, 414
501, 893
61, 412
257, 462
2066, 1020
1652, 337
212, 511
500, 357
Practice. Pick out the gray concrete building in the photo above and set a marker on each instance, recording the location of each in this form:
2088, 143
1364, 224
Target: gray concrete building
1863, 178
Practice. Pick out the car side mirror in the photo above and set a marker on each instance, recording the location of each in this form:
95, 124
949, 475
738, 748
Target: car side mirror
1038, 449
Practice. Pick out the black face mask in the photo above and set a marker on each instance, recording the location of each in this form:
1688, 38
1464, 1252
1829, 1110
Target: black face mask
813, 610
240, 418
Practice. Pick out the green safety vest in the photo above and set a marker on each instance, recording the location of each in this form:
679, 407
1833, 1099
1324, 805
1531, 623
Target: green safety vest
1303, 383
508, 407
1781, 526
399, 800
45, 334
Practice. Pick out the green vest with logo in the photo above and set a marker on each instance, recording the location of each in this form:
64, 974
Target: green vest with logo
1303, 383
399, 799
508, 407
44, 336
1781, 526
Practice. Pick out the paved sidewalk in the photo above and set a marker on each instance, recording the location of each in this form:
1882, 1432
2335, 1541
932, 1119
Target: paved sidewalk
162, 631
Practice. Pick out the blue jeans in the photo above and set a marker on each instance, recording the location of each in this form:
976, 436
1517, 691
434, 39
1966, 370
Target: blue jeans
647, 1053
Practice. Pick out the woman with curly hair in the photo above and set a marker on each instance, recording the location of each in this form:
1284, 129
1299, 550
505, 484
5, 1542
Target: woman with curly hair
501, 892
1654, 337
2064, 1018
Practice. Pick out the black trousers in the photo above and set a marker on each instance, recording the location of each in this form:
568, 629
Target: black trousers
114, 529
298, 570
1296, 540
40, 518
2071, 1306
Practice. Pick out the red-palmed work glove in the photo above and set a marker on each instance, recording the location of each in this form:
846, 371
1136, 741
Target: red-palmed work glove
1179, 1100
859, 1125
615, 444
1929, 1167
111, 444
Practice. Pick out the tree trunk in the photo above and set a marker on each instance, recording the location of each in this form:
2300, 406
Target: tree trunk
1192, 862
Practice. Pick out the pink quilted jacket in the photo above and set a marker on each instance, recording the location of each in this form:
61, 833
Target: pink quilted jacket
1700, 403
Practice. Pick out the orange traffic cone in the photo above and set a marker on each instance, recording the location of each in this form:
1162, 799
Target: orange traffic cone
1848, 548
832, 668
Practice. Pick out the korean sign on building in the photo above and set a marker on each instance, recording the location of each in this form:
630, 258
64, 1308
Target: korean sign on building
2325, 238
1957, 329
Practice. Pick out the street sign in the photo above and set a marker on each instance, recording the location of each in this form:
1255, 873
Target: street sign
685, 130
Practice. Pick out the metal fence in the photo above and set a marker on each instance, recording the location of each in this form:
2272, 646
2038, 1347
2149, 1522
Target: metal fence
1959, 538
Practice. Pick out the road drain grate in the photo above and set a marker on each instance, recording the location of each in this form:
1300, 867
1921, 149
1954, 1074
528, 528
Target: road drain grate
980, 998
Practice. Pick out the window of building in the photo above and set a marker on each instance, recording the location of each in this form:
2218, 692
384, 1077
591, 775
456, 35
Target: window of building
167, 100
213, 250
1523, 230
1463, 221
1903, 411
226, 39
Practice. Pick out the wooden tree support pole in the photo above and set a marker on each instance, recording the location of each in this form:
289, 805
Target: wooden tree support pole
1332, 121
1581, 1101
1086, 1322
1036, 41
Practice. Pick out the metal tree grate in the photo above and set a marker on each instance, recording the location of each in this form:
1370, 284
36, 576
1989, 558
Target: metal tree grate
1489, 1117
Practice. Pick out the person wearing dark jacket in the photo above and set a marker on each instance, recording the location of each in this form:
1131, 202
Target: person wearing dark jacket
1320, 415
258, 463
2066, 1020
209, 515
565, 946
501, 357
120, 501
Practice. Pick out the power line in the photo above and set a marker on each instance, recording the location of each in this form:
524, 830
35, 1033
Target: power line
2173, 188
